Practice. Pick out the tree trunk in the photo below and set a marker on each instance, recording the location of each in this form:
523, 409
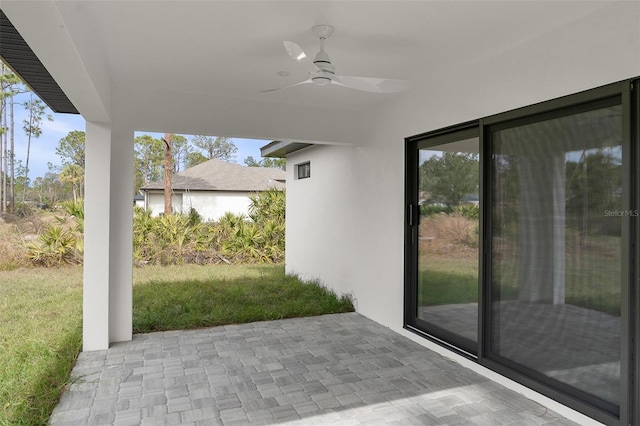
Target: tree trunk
26, 171
3, 146
11, 156
168, 168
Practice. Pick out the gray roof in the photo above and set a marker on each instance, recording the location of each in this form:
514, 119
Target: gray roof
218, 175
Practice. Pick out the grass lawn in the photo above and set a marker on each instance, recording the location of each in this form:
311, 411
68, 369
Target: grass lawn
448, 281
592, 280
41, 317
182, 297
40, 338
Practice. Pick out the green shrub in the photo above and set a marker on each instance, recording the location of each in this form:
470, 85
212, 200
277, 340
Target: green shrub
269, 204
54, 247
430, 210
183, 238
194, 217
24, 210
75, 209
470, 211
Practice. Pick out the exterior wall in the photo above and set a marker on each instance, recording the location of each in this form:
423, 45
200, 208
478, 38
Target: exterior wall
210, 205
155, 203
345, 224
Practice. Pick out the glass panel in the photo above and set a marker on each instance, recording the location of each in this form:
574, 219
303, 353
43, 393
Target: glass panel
448, 237
556, 248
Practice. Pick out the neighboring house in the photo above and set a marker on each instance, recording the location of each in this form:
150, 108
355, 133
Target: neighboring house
213, 188
138, 200
525, 85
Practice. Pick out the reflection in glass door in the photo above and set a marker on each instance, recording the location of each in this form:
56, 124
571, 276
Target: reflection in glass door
557, 248
448, 240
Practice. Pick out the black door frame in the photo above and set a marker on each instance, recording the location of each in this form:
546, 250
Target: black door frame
629, 407
444, 337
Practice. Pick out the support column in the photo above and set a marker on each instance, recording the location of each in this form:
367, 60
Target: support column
121, 231
108, 251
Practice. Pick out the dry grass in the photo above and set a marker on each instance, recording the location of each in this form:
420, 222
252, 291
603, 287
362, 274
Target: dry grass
16, 231
12, 251
449, 235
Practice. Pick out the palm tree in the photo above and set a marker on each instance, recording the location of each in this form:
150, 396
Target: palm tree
74, 174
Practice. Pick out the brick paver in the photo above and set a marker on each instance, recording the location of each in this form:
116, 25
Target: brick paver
332, 369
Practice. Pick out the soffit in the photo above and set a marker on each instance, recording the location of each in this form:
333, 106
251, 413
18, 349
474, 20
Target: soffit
201, 54
15, 52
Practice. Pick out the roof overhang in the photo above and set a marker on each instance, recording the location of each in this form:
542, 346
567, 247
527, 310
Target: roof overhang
16, 53
280, 149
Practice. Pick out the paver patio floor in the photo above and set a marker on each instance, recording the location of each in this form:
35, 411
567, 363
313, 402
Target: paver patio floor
332, 369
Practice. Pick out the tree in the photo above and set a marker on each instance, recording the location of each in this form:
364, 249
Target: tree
74, 174
149, 160
193, 159
33, 129
277, 163
168, 171
48, 189
11, 86
20, 176
593, 186
71, 148
219, 147
449, 177
180, 149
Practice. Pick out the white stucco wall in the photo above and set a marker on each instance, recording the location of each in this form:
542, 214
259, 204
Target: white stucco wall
155, 203
210, 205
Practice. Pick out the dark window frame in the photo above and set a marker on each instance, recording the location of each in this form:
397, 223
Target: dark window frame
306, 168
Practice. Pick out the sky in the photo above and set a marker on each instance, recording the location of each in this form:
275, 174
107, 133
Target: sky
43, 149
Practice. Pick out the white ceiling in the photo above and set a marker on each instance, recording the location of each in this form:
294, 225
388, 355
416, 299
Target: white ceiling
199, 53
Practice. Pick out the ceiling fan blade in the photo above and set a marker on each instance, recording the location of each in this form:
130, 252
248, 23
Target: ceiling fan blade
369, 84
298, 55
287, 87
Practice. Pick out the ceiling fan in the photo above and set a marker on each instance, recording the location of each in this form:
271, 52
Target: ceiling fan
322, 72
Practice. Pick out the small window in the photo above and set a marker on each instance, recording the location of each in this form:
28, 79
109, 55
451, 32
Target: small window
303, 170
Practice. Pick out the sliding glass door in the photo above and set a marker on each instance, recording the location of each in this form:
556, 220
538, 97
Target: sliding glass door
447, 237
557, 247
520, 246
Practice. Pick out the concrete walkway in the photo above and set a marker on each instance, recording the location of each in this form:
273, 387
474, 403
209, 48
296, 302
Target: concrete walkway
333, 369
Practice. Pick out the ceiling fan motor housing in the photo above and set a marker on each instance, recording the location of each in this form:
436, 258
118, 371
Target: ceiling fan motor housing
323, 62
321, 80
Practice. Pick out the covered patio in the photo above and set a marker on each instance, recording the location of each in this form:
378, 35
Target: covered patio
331, 369
215, 68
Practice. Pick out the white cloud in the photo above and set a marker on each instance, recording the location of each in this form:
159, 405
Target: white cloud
58, 127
